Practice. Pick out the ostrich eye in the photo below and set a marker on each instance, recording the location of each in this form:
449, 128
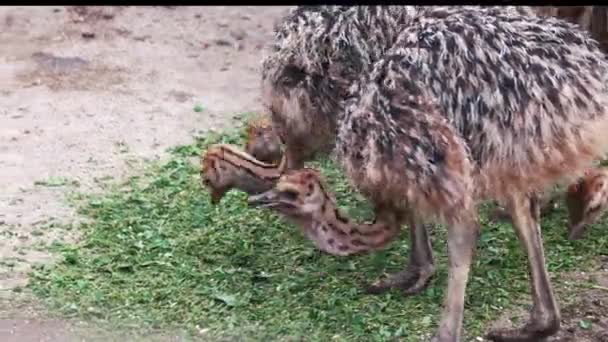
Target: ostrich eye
292, 75
310, 189
290, 194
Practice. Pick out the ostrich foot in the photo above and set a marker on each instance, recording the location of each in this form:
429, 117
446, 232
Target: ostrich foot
410, 281
528, 333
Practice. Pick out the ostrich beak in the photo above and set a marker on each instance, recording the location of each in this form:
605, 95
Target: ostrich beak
215, 197
266, 199
575, 231
216, 194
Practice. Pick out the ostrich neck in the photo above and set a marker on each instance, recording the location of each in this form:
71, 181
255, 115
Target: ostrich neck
333, 233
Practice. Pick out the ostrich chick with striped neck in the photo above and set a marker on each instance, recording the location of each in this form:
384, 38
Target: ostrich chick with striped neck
300, 196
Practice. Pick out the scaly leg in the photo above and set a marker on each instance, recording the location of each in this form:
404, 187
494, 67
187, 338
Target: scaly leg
419, 270
462, 240
291, 159
545, 315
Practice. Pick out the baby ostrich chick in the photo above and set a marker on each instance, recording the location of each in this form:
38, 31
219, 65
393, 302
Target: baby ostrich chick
300, 195
262, 142
467, 105
224, 167
587, 200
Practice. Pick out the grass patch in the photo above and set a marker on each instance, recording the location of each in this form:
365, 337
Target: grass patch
156, 251
56, 182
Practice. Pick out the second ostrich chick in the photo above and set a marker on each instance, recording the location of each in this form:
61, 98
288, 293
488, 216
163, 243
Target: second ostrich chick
586, 200
225, 167
262, 141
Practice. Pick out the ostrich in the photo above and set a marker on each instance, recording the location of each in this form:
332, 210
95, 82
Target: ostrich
593, 19
587, 201
319, 52
469, 104
224, 167
261, 141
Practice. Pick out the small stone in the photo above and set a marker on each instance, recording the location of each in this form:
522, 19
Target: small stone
222, 42
238, 34
88, 35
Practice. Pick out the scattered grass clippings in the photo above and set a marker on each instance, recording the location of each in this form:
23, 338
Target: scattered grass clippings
156, 252
56, 182
198, 108
584, 324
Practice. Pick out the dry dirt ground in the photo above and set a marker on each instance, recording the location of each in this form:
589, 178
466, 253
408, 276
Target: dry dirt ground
87, 94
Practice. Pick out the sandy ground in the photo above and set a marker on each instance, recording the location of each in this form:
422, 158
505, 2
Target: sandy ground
86, 94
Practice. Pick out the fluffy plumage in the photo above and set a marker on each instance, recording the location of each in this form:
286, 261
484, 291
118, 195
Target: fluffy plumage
320, 51
432, 109
523, 98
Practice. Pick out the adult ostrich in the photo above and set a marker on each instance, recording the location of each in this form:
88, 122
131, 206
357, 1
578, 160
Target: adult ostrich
318, 54
468, 105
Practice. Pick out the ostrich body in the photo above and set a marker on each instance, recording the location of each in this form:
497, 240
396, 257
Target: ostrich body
319, 53
469, 105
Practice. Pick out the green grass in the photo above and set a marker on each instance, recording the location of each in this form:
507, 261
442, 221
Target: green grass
156, 252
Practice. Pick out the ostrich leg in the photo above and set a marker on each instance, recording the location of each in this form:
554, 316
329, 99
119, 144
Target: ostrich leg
462, 240
545, 315
292, 159
420, 267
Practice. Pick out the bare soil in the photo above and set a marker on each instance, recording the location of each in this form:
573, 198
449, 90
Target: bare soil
583, 298
86, 94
